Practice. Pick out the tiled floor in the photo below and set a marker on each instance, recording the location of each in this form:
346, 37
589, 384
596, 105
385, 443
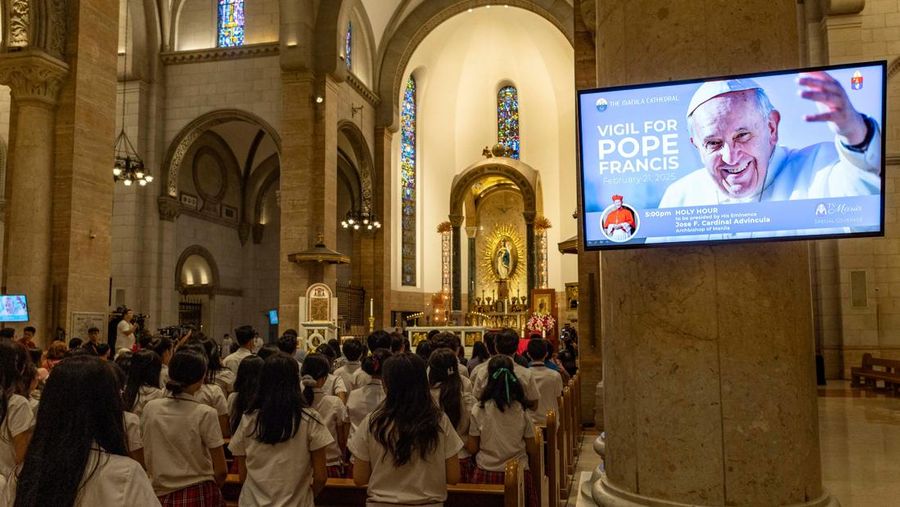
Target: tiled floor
860, 444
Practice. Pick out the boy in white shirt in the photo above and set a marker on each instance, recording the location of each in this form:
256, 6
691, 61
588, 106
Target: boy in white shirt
244, 335
351, 373
549, 382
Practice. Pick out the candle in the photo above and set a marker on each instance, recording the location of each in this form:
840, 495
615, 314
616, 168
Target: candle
371, 307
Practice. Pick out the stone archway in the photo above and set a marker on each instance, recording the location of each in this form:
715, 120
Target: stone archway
392, 60
207, 256
186, 137
525, 179
366, 166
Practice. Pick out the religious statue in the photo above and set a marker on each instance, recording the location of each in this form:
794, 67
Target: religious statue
504, 261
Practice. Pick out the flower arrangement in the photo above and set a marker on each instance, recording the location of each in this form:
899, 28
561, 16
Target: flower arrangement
542, 223
542, 323
444, 227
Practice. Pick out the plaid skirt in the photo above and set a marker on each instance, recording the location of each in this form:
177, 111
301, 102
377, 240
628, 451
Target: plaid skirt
342, 471
205, 494
482, 476
466, 466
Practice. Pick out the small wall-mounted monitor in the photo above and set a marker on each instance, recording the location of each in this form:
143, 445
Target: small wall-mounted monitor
273, 317
788, 154
13, 308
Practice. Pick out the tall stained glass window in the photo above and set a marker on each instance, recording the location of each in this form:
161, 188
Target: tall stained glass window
348, 46
231, 23
408, 183
508, 119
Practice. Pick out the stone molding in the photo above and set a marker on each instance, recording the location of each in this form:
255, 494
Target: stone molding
843, 7
169, 208
608, 494
892, 159
894, 68
219, 54
33, 76
362, 89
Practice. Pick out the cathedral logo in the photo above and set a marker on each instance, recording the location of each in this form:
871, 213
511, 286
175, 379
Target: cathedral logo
821, 210
856, 82
602, 104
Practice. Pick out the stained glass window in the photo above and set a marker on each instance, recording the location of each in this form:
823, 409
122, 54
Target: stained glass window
408, 183
348, 46
231, 23
508, 119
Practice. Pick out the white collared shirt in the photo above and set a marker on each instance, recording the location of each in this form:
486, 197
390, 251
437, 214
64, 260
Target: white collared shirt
233, 361
333, 413
19, 419
550, 386
363, 401
178, 433
502, 435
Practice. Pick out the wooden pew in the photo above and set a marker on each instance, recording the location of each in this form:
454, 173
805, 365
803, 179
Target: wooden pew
537, 468
343, 492
562, 451
551, 458
874, 369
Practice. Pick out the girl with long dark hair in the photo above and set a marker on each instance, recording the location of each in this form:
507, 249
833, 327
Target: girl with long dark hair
501, 429
78, 454
332, 412
183, 444
280, 443
407, 450
364, 400
245, 385
479, 355
447, 390
142, 380
211, 392
16, 416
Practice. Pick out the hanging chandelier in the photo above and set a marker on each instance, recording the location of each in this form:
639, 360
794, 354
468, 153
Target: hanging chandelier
128, 167
361, 220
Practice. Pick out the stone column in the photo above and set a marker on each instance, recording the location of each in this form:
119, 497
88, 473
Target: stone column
708, 353
531, 249
456, 270
308, 183
472, 233
34, 79
383, 257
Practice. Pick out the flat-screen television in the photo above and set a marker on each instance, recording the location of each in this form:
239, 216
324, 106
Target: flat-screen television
796, 154
13, 308
273, 317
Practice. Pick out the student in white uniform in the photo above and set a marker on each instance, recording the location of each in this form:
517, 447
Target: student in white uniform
133, 439
549, 382
280, 443
16, 416
211, 392
183, 443
351, 372
407, 450
164, 348
142, 384
501, 429
331, 409
244, 336
245, 386
367, 398
73, 429
506, 343
447, 390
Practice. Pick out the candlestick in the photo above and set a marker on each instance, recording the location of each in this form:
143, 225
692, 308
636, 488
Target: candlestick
371, 307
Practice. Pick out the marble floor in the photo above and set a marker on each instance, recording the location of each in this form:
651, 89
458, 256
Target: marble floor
860, 446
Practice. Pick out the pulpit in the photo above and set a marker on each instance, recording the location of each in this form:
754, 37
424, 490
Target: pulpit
318, 317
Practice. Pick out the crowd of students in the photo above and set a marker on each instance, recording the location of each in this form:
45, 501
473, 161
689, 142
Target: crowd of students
155, 425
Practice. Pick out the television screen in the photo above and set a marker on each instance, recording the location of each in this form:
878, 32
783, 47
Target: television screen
774, 155
273, 317
13, 308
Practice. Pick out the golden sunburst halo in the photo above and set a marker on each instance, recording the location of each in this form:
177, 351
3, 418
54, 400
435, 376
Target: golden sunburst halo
489, 273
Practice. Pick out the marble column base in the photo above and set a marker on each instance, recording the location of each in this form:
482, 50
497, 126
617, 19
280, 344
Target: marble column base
607, 495
598, 406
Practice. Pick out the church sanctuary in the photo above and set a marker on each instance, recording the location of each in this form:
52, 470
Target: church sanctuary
462, 253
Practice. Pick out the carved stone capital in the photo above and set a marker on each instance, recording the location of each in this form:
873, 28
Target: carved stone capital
843, 7
169, 208
529, 217
456, 220
32, 76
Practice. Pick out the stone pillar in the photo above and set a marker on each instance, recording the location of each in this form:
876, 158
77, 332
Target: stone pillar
456, 270
590, 359
383, 257
472, 233
531, 249
34, 79
308, 183
708, 353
